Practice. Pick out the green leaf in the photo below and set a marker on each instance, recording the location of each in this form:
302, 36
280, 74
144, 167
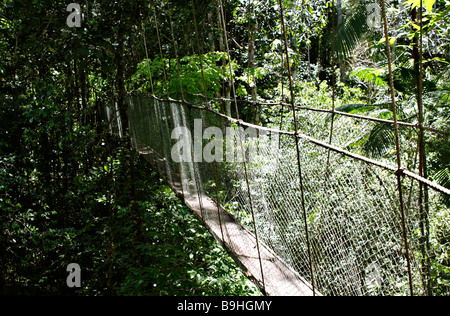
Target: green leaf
192, 273
380, 140
413, 3
391, 40
369, 75
416, 4
429, 4
443, 177
439, 59
417, 27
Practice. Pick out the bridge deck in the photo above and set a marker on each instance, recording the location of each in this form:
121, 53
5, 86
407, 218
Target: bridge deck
279, 278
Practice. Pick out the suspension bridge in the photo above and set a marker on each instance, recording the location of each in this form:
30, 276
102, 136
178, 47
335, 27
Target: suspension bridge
297, 211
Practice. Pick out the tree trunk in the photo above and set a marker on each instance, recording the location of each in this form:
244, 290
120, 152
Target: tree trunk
251, 59
227, 86
123, 111
212, 42
423, 169
228, 97
339, 22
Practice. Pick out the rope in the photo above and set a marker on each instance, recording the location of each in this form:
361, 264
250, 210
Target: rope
242, 145
297, 146
196, 177
200, 51
146, 52
174, 43
346, 228
321, 144
423, 189
333, 98
355, 116
165, 81
160, 49
397, 145
199, 48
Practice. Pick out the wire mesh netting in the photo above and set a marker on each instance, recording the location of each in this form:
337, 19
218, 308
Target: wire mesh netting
343, 217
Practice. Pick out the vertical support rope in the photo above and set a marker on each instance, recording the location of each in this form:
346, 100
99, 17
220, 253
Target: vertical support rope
225, 32
397, 145
282, 89
160, 49
165, 83
333, 99
282, 92
146, 52
196, 176
291, 83
423, 188
200, 52
174, 43
242, 145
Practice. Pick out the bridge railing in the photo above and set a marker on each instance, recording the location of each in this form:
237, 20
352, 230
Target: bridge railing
351, 239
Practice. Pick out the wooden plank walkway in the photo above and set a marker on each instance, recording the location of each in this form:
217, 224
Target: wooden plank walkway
279, 278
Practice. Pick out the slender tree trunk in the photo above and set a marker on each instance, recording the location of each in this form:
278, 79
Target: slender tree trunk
84, 101
123, 108
339, 22
121, 93
423, 169
227, 86
228, 97
212, 42
251, 58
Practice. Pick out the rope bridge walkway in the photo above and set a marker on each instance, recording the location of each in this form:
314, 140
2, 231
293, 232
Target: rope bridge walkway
355, 231
298, 212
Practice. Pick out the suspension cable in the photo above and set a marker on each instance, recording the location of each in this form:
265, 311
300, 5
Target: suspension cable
216, 178
351, 115
163, 63
423, 188
291, 83
333, 98
146, 52
177, 56
199, 48
400, 171
196, 176
242, 145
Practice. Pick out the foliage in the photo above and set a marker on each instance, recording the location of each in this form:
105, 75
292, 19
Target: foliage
179, 256
68, 188
192, 77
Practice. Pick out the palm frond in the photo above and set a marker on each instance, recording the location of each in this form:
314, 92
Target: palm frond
380, 141
375, 143
361, 109
370, 76
442, 177
349, 32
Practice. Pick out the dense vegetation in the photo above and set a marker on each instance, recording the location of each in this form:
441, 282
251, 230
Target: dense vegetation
169, 253
71, 192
